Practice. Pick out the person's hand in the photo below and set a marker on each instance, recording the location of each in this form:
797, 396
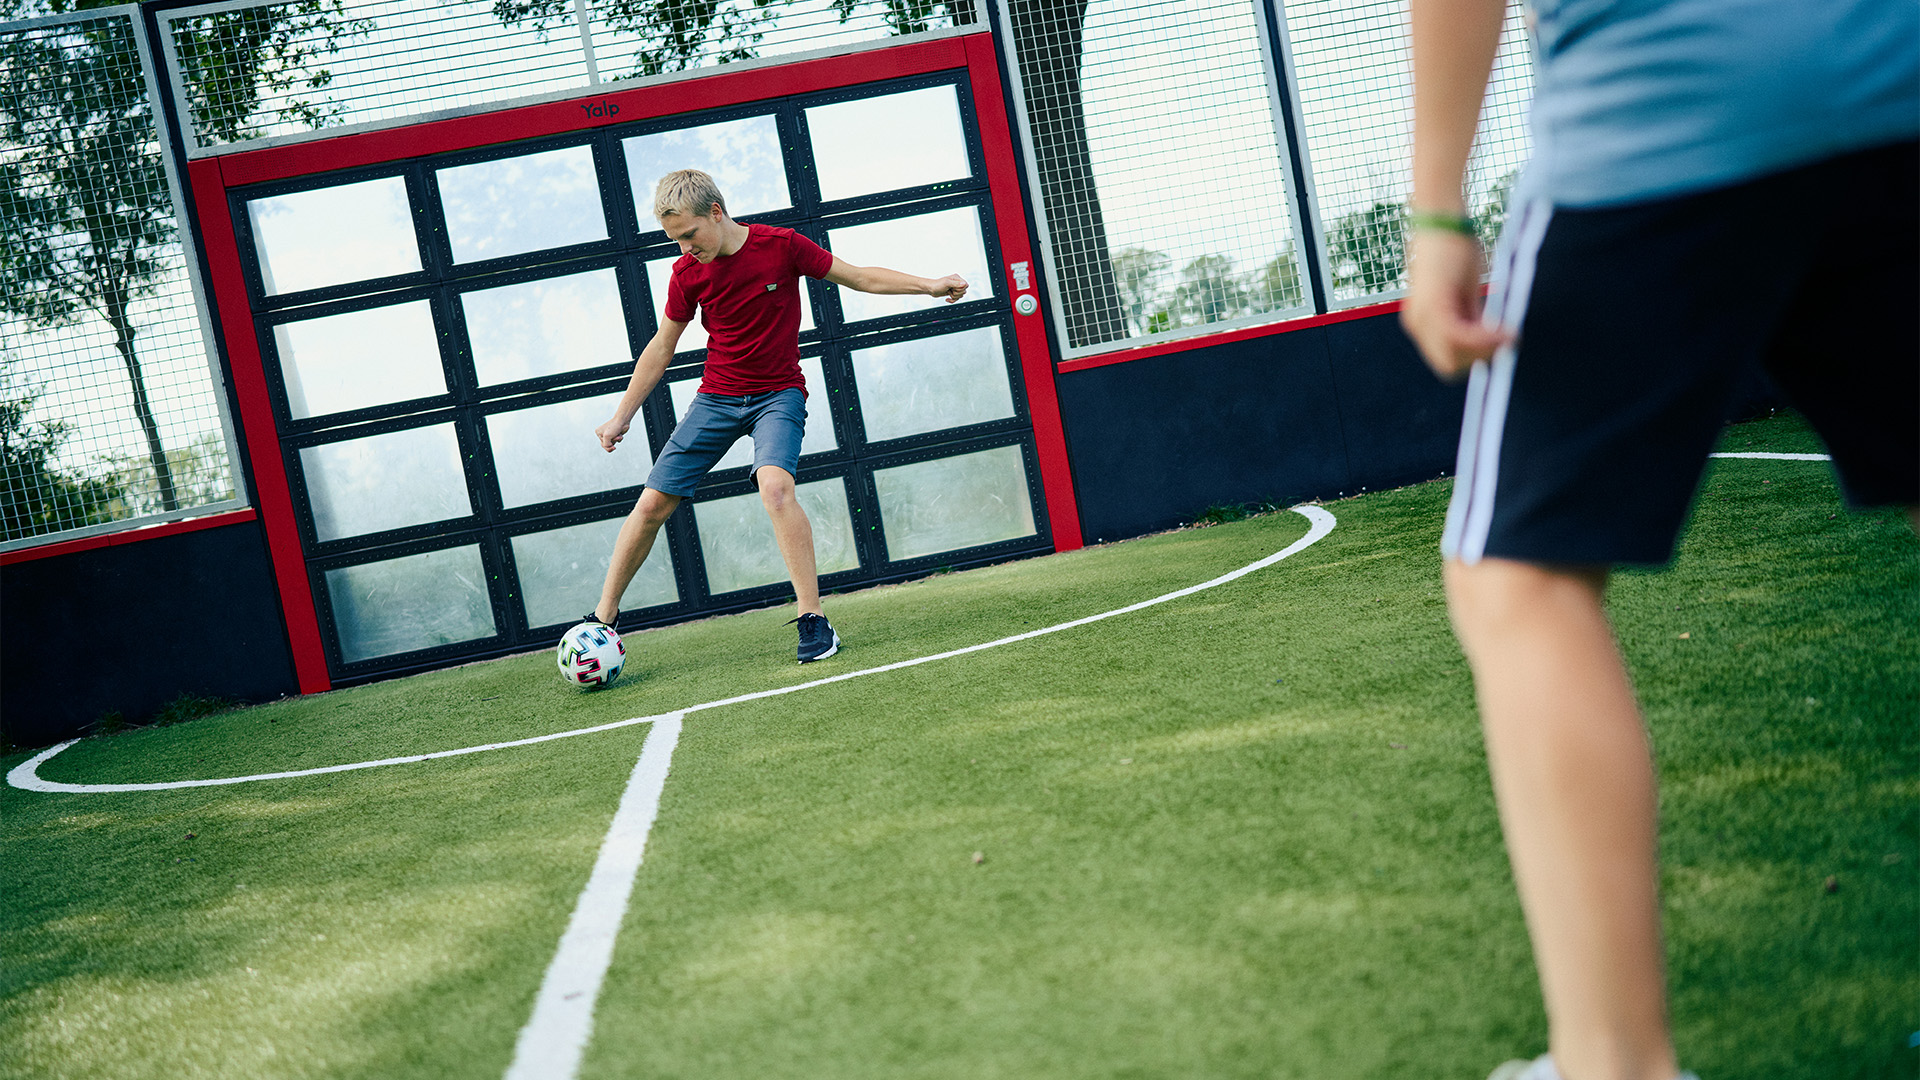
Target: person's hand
610, 434
1442, 310
953, 287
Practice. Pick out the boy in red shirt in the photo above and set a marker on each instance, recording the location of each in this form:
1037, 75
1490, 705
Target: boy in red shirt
745, 279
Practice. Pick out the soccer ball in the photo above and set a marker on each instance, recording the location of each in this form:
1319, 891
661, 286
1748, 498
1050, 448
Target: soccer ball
591, 655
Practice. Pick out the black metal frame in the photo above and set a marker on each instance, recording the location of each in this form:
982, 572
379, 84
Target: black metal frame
627, 249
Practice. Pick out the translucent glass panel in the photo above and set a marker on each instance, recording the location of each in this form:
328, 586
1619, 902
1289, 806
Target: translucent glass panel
927, 384
815, 438
520, 204
561, 571
926, 245
385, 482
545, 327
887, 143
550, 452
333, 235
736, 539
415, 602
694, 338
743, 157
953, 503
360, 359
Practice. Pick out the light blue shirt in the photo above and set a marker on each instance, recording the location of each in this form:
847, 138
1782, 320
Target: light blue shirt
1644, 99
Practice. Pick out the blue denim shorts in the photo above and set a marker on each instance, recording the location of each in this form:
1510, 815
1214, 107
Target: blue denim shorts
713, 423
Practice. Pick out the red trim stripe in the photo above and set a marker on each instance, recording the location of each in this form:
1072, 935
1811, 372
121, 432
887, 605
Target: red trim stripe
271, 491
1204, 341
1030, 331
128, 536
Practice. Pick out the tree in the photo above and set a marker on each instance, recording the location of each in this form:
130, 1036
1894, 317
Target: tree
1136, 274
1492, 216
85, 212
1208, 291
86, 215
1367, 249
678, 35
35, 496
1280, 285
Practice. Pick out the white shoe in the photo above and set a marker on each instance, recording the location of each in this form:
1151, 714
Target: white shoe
1542, 1068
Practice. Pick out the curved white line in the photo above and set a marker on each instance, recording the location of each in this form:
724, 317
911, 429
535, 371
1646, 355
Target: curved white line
26, 774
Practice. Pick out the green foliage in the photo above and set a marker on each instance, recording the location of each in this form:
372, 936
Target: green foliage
678, 35
1208, 291
1491, 218
36, 495
1136, 273
202, 474
1367, 249
1280, 281
229, 60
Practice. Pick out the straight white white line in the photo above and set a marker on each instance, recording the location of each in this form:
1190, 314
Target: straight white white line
26, 776
556, 1035
1764, 455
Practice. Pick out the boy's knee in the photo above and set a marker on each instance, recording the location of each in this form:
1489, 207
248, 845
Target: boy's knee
776, 487
656, 507
1495, 596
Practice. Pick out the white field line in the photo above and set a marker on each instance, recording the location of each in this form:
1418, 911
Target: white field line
562, 1022
26, 775
1764, 455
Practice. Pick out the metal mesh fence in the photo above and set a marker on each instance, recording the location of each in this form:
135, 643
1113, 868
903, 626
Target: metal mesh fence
279, 70
1354, 72
1161, 176
109, 413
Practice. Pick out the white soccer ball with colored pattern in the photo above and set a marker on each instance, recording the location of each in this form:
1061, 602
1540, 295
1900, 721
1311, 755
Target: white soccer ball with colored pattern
591, 655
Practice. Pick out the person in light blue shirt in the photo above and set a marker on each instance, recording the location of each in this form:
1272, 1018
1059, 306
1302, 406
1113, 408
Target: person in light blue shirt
1720, 188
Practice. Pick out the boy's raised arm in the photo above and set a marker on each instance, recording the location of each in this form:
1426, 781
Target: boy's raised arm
879, 279
647, 369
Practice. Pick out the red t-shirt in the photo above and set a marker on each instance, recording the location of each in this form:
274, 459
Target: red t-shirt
749, 302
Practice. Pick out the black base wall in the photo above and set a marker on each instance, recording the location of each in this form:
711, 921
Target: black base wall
1315, 413
130, 627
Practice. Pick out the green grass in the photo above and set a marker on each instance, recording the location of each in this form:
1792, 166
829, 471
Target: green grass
1243, 834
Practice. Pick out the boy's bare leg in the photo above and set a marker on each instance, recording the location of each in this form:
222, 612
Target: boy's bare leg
1573, 775
631, 548
793, 532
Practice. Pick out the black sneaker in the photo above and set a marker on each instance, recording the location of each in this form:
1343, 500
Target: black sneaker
594, 617
817, 639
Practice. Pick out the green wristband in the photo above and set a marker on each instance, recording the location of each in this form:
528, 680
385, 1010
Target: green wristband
1444, 221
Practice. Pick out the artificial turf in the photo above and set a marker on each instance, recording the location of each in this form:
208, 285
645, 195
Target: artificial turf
1245, 833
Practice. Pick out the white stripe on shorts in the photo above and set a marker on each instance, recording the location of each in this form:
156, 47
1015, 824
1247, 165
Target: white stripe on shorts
1477, 472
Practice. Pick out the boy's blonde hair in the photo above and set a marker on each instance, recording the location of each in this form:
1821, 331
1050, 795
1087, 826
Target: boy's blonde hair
689, 192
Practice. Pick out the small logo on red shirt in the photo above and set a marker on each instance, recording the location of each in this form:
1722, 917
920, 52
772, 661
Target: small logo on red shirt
773, 286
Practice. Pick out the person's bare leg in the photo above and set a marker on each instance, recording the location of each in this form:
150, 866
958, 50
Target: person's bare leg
793, 532
1573, 775
630, 550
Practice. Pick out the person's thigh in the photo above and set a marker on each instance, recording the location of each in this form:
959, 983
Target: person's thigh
779, 423
708, 429
1585, 442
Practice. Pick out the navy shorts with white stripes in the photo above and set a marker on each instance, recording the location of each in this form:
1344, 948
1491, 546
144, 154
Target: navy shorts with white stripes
1638, 325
